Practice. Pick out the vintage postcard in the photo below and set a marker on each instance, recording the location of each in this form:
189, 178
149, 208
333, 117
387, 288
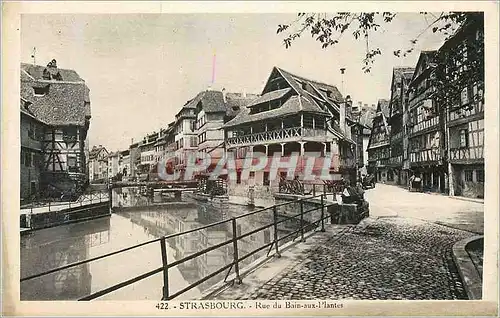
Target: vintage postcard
250, 158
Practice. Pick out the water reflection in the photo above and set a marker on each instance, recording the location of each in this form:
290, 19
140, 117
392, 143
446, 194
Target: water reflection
54, 247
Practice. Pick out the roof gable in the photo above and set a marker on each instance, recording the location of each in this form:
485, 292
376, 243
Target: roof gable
423, 62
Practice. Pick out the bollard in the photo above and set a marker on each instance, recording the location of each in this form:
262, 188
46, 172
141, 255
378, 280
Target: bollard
164, 260
275, 217
322, 213
235, 252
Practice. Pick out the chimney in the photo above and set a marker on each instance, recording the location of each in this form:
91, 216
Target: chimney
342, 117
224, 95
52, 63
244, 94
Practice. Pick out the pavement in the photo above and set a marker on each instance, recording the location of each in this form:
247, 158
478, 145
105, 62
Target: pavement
403, 251
388, 200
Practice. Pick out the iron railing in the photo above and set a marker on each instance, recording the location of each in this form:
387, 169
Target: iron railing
83, 199
234, 240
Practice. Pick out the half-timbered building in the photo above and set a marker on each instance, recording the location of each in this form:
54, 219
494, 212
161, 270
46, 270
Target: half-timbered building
98, 164
465, 115
293, 115
60, 99
401, 76
426, 140
379, 150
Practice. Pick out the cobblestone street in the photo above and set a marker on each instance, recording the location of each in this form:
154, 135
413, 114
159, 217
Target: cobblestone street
388, 256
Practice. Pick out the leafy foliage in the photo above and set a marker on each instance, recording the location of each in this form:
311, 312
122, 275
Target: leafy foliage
329, 29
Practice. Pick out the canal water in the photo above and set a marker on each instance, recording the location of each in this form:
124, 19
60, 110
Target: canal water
132, 224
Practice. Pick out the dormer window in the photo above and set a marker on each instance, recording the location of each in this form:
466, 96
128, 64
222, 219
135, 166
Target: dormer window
41, 91
46, 75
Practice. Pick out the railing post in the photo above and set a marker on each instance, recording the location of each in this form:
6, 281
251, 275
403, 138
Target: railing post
165, 267
110, 199
324, 188
275, 218
323, 212
314, 190
235, 252
302, 221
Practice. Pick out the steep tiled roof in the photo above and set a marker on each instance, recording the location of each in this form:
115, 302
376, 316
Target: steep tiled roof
399, 72
384, 107
367, 115
36, 71
66, 101
273, 95
95, 152
335, 97
236, 102
293, 105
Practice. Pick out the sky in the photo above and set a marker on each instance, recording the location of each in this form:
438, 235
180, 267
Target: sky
142, 68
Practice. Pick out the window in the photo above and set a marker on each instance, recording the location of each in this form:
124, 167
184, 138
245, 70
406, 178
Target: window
193, 141
468, 175
41, 91
70, 134
480, 175
27, 159
37, 159
308, 121
31, 130
463, 138
22, 157
252, 174
464, 96
238, 177
266, 179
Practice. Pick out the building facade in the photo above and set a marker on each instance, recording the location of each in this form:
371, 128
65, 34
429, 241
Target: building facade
436, 120
465, 115
98, 164
401, 77
59, 100
426, 146
31, 151
293, 115
379, 151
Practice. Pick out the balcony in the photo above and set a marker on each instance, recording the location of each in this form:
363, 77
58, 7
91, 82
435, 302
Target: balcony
424, 126
461, 115
426, 156
396, 161
317, 166
279, 135
467, 155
